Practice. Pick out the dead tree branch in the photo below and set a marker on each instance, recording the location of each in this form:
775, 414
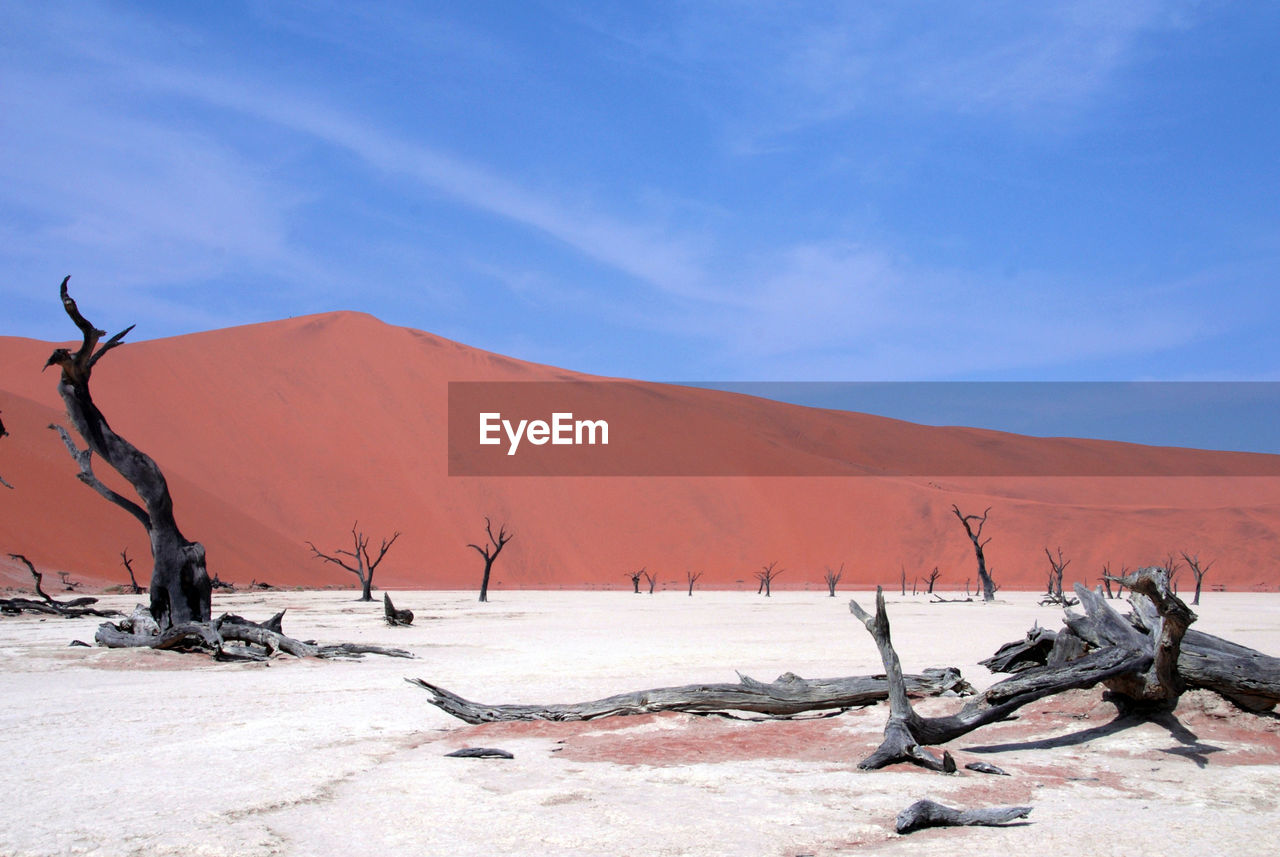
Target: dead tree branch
786, 696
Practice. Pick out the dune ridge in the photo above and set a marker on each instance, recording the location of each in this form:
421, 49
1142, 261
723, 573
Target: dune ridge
278, 433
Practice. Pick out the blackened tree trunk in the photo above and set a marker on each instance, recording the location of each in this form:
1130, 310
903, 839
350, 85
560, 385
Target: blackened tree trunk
180, 586
692, 578
766, 576
635, 580
975, 536
490, 553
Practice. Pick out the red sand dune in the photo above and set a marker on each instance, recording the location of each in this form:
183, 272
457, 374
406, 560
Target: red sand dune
275, 434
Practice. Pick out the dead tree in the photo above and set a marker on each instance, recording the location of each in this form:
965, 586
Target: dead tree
490, 553
180, 588
932, 579
47, 604
832, 578
692, 578
766, 576
4, 433
1054, 594
635, 579
786, 696
133, 581
975, 536
1139, 668
652, 580
68, 585
1198, 571
365, 565
393, 616
1108, 578
903, 580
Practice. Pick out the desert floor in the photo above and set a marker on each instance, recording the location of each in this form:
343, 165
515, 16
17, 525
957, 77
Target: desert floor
140, 752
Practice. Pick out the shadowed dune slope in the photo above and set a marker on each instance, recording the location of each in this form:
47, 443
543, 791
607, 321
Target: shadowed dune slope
275, 434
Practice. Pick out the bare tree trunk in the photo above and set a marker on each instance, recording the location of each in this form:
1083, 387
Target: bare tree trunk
490, 553
975, 536
365, 565
833, 577
693, 578
180, 587
1199, 571
926, 813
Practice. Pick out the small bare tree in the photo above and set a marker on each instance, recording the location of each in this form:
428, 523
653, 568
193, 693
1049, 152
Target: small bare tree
932, 579
651, 578
490, 552
1053, 594
692, 578
1171, 565
635, 579
1198, 571
364, 565
975, 536
832, 578
766, 576
128, 566
4, 433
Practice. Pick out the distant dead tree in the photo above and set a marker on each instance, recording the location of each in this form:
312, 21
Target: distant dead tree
903, 579
635, 579
975, 536
490, 552
766, 576
364, 565
651, 578
1174, 568
692, 578
4, 433
1198, 571
1053, 594
180, 589
68, 585
128, 566
932, 579
832, 578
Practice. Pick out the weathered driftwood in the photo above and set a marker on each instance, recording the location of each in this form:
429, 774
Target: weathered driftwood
986, 768
49, 605
787, 696
480, 753
1245, 676
393, 616
1127, 655
213, 637
926, 813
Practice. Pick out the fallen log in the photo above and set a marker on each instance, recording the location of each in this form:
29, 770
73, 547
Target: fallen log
927, 813
786, 696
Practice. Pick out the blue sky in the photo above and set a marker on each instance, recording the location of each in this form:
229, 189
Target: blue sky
670, 191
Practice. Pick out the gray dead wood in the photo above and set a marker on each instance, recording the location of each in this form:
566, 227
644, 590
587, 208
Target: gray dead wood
480, 753
180, 588
365, 565
979, 546
264, 640
1245, 676
1127, 654
927, 813
393, 616
786, 696
74, 608
986, 768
